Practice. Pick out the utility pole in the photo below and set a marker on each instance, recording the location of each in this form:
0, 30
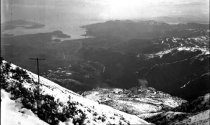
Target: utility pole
37, 63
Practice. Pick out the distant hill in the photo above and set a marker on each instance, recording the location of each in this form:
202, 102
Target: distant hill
9, 25
127, 30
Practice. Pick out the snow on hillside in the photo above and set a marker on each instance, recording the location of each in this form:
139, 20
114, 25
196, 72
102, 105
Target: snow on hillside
12, 112
205, 51
195, 112
144, 103
198, 119
191, 44
55, 105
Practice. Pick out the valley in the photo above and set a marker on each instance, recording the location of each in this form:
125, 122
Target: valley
173, 58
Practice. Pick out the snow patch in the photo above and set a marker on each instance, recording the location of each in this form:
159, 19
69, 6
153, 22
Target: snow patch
13, 114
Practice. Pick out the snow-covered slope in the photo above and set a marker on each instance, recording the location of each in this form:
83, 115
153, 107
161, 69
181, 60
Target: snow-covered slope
205, 51
202, 118
191, 44
50, 103
154, 106
195, 112
143, 102
12, 112
181, 118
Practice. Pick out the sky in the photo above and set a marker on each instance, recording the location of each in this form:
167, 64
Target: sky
74, 13
102, 9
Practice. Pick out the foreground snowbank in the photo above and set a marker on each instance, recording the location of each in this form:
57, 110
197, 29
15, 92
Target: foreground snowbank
12, 112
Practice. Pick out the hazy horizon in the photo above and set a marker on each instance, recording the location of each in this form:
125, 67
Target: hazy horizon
48, 10
69, 15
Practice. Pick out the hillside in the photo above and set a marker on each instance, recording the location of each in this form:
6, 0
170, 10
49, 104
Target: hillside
48, 103
154, 106
143, 102
195, 112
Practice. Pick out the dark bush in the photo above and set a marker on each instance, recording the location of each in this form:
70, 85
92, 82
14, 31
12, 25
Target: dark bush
19, 74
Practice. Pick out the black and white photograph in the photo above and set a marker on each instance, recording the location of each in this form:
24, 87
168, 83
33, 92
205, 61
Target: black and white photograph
105, 62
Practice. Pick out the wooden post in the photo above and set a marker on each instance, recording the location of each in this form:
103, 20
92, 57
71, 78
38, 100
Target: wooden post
37, 63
